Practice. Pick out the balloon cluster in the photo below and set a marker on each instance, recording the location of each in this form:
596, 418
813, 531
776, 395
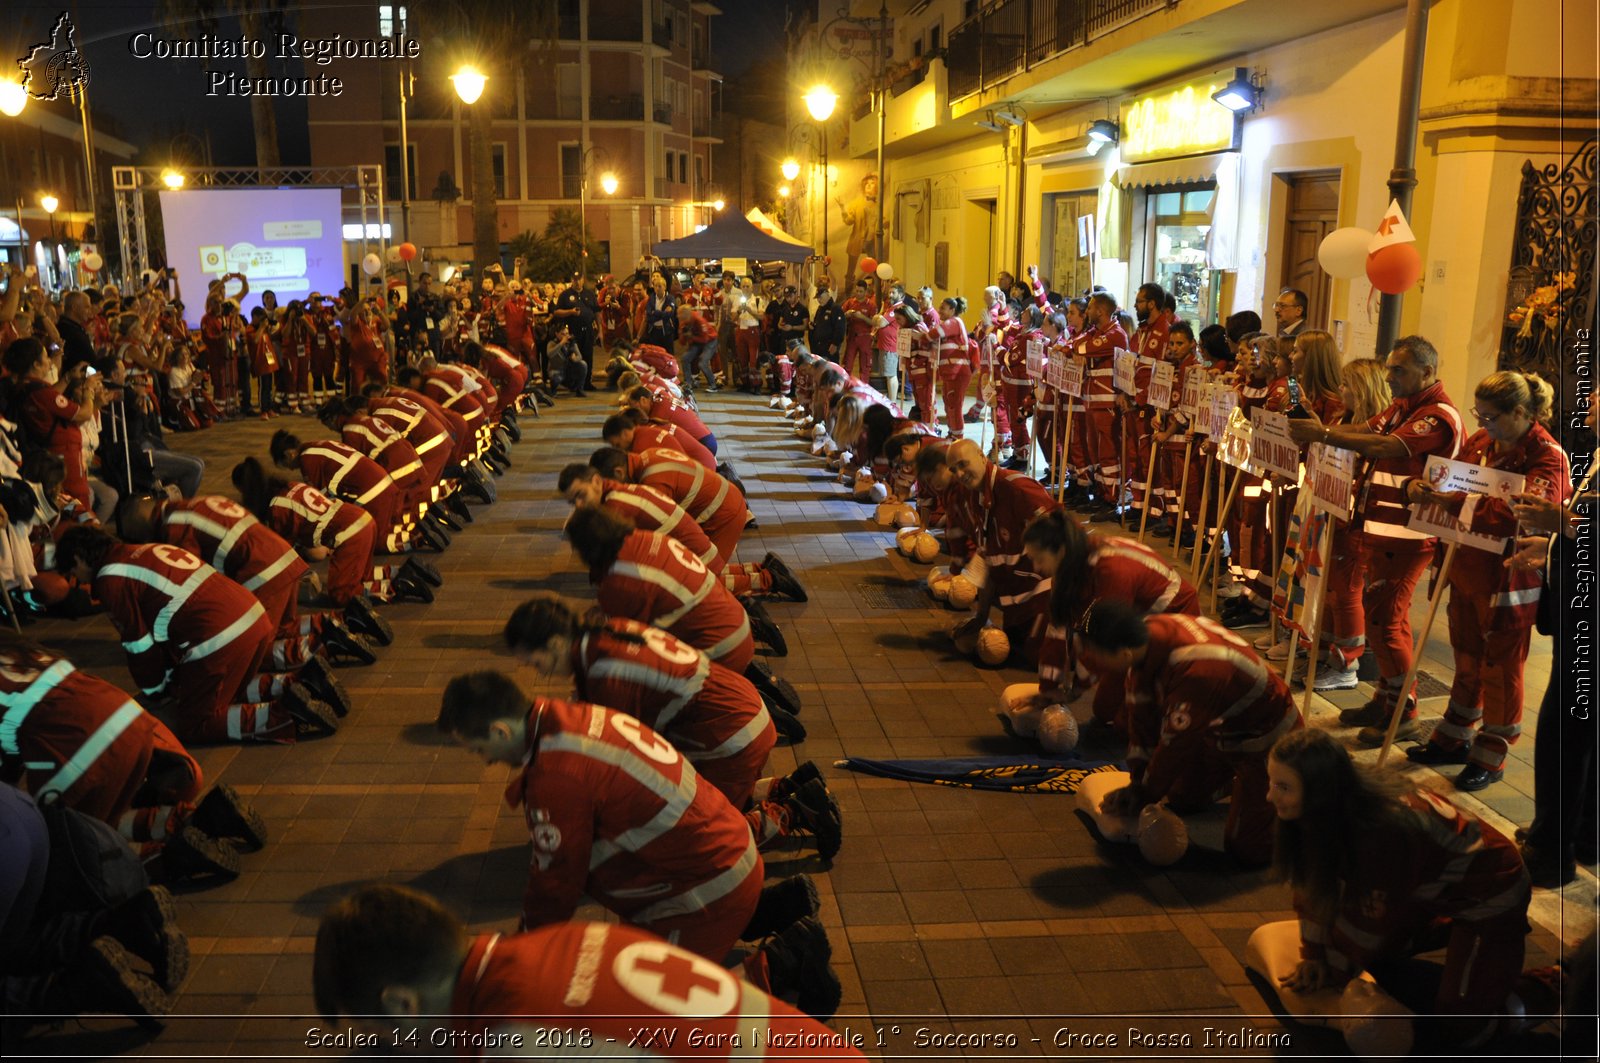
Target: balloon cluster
1389, 259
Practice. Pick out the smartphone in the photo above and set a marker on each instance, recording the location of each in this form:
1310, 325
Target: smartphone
91, 371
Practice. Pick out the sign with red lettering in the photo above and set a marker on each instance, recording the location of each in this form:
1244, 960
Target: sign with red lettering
1331, 475
1476, 482
1035, 358
1124, 370
1220, 405
1273, 451
1190, 399
1162, 375
1233, 442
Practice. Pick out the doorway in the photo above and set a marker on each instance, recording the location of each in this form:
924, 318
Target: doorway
1176, 223
976, 251
1313, 213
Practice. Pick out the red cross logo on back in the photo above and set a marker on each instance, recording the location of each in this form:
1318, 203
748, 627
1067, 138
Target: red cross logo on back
679, 977
673, 982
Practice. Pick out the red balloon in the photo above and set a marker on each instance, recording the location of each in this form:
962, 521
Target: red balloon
868, 264
408, 251
1394, 269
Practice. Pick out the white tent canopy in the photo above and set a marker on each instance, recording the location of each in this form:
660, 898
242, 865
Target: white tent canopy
770, 227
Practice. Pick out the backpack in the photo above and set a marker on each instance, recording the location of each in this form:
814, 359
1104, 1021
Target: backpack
92, 867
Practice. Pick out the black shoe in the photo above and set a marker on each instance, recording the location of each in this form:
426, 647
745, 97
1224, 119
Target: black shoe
1548, 869
816, 810
343, 646
782, 904
312, 718
222, 813
189, 854
763, 629
1370, 714
787, 724
316, 675
408, 587
787, 785
1103, 515
423, 570
798, 960
1161, 529
783, 580
146, 924
1086, 504
475, 484
1247, 616
1432, 753
442, 516
362, 617
107, 981
459, 507
1475, 777
432, 536
1186, 538
774, 688
508, 421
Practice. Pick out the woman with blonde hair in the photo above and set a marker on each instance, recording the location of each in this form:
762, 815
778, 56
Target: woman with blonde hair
846, 425
1364, 393
1492, 606
1314, 364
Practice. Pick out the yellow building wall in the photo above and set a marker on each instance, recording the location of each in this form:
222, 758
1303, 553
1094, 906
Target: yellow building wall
961, 179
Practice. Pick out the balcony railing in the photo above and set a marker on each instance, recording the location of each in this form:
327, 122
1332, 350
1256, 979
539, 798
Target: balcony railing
661, 33
1010, 36
662, 112
629, 108
702, 58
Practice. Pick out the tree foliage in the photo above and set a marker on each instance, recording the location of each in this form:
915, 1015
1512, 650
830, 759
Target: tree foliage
556, 253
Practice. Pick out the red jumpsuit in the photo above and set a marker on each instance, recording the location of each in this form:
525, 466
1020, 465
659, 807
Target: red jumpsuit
954, 371
1050, 421
605, 983
707, 497
1149, 341
649, 509
1003, 505
1171, 474
310, 519
427, 435
661, 434
508, 375
48, 415
1099, 347
1492, 608
452, 392
381, 442
919, 363
657, 581
656, 358
1202, 696
1016, 389
615, 814
369, 357
189, 630
1450, 873
464, 445
84, 741
219, 337
676, 412
225, 535
857, 353
1385, 558
341, 471
324, 356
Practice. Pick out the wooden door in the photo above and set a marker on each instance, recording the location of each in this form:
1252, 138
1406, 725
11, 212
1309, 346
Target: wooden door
1313, 214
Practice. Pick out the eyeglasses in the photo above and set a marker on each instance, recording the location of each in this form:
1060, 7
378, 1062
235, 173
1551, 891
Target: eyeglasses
1483, 418
1283, 306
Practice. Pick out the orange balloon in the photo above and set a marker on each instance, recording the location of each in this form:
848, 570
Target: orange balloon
1394, 269
408, 251
868, 264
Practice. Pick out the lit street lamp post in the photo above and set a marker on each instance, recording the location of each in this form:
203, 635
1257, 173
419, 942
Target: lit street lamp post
608, 185
50, 203
820, 101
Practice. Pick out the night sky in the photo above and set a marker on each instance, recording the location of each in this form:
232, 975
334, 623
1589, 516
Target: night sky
153, 104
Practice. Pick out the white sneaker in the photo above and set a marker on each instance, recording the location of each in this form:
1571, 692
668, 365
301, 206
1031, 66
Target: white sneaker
1264, 642
1280, 651
1336, 679
1230, 589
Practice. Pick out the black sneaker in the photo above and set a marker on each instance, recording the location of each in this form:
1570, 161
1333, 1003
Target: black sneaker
432, 536
408, 587
146, 924
1475, 777
1431, 752
439, 514
782, 904
773, 687
362, 617
341, 645
189, 854
762, 627
316, 675
459, 507
1105, 514
107, 981
816, 810
222, 813
474, 485
783, 580
786, 785
787, 724
1246, 616
798, 961
312, 718
423, 570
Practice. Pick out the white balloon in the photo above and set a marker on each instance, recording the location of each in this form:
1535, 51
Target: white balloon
1343, 252
392, 255
92, 261
885, 271
372, 265
994, 646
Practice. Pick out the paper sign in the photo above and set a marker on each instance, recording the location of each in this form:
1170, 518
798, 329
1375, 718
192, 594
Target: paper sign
737, 266
1445, 475
1233, 444
1191, 393
902, 342
1124, 368
1035, 358
1220, 407
1331, 475
1162, 375
1273, 451
1072, 374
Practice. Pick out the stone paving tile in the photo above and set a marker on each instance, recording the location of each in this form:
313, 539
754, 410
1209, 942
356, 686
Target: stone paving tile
943, 901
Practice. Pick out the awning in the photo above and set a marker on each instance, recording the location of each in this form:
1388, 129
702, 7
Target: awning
1198, 169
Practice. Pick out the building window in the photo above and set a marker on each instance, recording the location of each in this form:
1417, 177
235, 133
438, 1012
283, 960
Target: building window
500, 171
935, 37
1177, 221
683, 167
700, 172
668, 170
391, 171
571, 170
391, 20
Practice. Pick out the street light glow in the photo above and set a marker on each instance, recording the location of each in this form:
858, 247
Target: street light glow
783, 191
608, 183
172, 179
790, 168
717, 204
469, 82
49, 203
820, 101
13, 97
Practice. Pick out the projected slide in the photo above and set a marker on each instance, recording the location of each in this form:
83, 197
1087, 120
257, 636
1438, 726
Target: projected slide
286, 240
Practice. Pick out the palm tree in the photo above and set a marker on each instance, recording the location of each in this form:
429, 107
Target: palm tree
259, 20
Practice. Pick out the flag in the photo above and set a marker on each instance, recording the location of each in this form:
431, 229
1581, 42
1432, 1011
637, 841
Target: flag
1392, 229
1038, 774
1298, 581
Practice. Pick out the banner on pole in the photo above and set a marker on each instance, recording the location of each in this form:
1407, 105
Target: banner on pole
1220, 407
1297, 589
1445, 476
1124, 371
1035, 350
1331, 475
1161, 379
1233, 444
1190, 399
902, 344
1273, 451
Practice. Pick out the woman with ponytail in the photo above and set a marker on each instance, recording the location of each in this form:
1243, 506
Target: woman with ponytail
954, 363
713, 715
1492, 607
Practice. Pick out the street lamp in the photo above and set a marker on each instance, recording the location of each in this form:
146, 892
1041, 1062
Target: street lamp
172, 179
820, 101
608, 185
13, 97
790, 169
469, 83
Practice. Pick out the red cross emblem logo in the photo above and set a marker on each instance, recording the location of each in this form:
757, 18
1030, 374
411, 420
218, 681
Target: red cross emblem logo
1388, 225
674, 982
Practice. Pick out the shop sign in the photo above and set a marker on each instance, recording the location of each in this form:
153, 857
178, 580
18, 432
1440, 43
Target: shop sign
1174, 122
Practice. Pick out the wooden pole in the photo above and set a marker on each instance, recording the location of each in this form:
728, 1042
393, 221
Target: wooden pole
1316, 645
1416, 654
1223, 511
1183, 491
1122, 471
1200, 525
1061, 457
1277, 558
1149, 482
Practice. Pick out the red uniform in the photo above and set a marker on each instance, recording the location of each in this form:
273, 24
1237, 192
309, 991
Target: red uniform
508, 375
1004, 504
954, 371
919, 362
707, 497
679, 413
601, 983
1451, 873
190, 631
656, 358
341, 471
310, 519
616, 814
1492, 607
219, 336
369, 356
428, 436
464, 444
84, 741
1099, 346
48, 417
649, 509
657, 581
454, 392
669, 436
1149, 341
857, 353
381, 442
1200, 698
1388, 556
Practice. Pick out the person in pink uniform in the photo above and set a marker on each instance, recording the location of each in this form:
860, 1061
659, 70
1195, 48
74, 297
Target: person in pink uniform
953, 361
1096, 348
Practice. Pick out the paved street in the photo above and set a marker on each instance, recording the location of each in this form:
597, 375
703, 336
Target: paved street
944, 904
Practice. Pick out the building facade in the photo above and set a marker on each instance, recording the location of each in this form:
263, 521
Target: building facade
622, 87
989, 162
